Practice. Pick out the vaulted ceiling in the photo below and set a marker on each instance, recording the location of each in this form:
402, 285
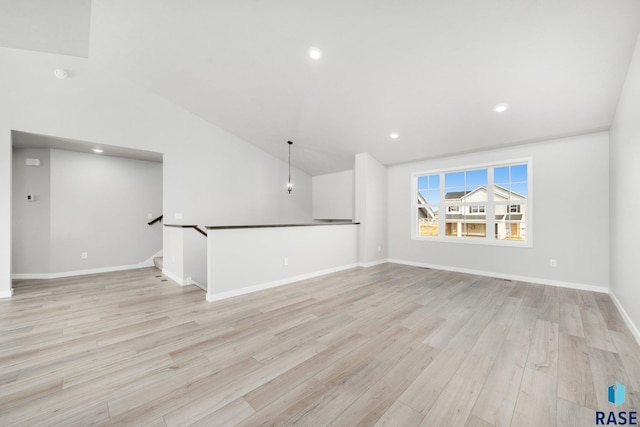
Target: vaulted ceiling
432, 71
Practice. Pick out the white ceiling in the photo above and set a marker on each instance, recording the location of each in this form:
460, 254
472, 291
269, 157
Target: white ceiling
60, 26
429, 70
34, 140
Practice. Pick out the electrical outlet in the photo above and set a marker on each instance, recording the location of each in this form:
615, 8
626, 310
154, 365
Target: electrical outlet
379, 248
149, 216
178, 216
286, 261
83, 255
553, 262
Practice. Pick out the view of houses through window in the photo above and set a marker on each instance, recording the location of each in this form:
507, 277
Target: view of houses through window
489, 203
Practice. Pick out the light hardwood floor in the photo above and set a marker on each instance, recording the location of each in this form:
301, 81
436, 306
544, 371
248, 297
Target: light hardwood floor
389, 346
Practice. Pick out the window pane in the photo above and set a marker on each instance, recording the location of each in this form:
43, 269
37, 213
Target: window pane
511, 222
429, 182
423, 183
502, 192
501, 175
433, 197
475, 179
468, 186
476, 186
429, 212
453, 229
429, 189
510, 183
428, 221
507, 230
454, 220
473, 229
434, 182
454, 187
519, 173
463, 227
520, 190
454, 179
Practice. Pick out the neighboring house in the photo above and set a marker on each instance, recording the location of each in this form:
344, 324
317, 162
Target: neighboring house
426, 212
466, 214
427, 218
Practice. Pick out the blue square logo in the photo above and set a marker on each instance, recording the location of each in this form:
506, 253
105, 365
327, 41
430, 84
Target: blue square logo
616, 394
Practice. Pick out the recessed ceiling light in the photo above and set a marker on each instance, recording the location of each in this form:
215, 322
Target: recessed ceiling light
98, 151
394, 135
315, 53
501, 108
60, 73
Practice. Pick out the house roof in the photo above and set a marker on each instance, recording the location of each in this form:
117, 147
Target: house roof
509, 191
454, 195
425, 211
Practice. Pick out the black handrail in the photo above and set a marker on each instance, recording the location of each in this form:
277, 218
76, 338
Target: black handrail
155, 220
195, 227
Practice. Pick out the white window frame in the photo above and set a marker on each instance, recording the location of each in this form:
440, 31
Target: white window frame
490, 205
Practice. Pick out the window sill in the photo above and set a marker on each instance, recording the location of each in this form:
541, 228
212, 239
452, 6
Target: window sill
476, 241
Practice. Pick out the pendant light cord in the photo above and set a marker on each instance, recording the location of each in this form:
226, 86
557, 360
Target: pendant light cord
289, 186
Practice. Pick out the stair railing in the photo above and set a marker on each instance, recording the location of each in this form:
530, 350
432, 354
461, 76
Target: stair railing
155, 220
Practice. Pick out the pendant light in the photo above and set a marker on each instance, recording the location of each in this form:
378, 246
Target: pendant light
289, 184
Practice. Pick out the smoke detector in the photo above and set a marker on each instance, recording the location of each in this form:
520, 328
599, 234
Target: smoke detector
60, 73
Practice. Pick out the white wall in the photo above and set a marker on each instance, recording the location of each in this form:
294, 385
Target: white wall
570, 216
31, 220
195, 257
625, 204
5, 211
174, 253
332, 196
84, 203
210, 176
370, 208
99, 205
246, 260
185, 256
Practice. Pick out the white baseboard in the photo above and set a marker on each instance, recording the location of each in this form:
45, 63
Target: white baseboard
632, 327
6, 294
179, 280
276, 283
580, 286
190, 281
47, 276
30, 276
372, 263
559, 283
183, 282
